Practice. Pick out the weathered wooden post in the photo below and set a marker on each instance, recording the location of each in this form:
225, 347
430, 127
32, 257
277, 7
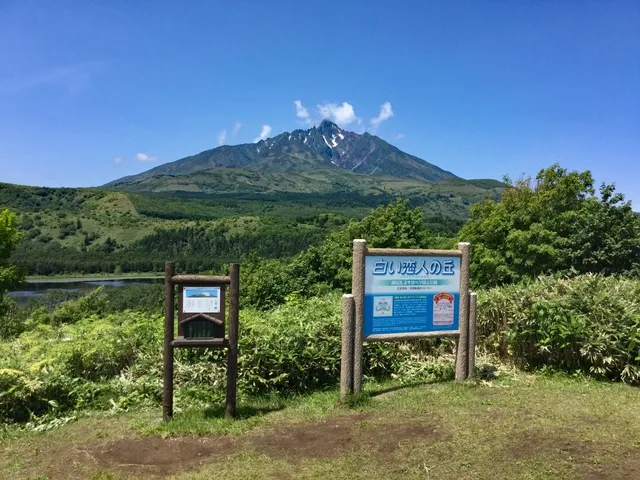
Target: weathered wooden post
357, 288
462, 357
346, 360
473, 311
167, 391
232, 354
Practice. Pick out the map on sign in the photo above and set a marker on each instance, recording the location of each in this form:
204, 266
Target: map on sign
201, 300
411, 294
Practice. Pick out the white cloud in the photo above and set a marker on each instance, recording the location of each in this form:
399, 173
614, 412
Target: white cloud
117, 160
222, 136
399, 136
264, 134
385, 113
340, 114
302, 113
236, 128
143, 157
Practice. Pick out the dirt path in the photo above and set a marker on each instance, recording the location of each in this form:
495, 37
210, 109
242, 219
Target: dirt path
331, 438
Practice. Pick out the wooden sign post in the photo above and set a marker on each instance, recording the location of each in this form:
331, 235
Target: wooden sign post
402, 294
201, 323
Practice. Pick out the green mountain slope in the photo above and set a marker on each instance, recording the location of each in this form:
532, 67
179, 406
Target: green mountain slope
213, 216
226, 180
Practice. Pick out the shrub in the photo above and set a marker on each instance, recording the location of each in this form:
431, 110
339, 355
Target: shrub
12, 318
58, 367
590, 324
328, 265
71, 311
100, 360
81, 356
142, 298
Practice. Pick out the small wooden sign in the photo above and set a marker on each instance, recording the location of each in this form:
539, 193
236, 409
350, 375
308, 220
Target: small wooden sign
201, 323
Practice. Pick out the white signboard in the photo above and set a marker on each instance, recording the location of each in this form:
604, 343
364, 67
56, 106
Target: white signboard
201, 300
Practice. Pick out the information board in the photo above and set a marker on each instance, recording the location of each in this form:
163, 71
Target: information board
201, 300
411, 294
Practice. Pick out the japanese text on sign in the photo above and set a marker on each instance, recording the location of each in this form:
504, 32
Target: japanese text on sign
412, 267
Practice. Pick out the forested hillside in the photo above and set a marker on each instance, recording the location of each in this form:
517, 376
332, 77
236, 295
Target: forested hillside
68, 230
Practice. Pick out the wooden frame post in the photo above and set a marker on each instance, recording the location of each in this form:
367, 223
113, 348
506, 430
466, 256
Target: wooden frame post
167, 391
232, 353
346, 360
357, 288
462, 358
473, 309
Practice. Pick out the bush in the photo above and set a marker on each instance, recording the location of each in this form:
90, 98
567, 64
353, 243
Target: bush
101, 360
142, 298
71, 311
58, 367
12, 318
80, 355
589, 324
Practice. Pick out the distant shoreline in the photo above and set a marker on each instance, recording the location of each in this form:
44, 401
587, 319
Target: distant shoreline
91, 278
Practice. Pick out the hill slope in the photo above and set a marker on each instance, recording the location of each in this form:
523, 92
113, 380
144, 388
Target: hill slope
323, 179
326, 147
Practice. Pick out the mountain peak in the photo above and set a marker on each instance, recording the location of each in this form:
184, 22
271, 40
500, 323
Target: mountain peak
328, 125
326, 145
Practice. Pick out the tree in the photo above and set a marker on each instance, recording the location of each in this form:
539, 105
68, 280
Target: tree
109, 245
327, 266
10, 236
556, 225
392, 226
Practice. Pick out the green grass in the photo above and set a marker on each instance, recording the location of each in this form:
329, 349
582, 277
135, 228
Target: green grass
515, 426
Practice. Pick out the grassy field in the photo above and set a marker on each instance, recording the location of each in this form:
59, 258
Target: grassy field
514, 426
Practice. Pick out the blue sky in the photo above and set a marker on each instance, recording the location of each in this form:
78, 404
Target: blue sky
94, 90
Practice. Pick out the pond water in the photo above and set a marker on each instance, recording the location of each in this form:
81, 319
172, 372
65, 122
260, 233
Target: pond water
34, 289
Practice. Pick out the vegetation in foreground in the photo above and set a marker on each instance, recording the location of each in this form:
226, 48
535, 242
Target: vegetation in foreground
95, 353
103, 351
